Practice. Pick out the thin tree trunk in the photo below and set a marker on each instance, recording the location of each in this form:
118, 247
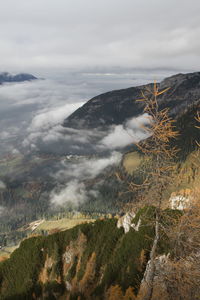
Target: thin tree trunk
147, 285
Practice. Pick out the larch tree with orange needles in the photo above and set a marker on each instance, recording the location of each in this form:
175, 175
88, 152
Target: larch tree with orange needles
161, 153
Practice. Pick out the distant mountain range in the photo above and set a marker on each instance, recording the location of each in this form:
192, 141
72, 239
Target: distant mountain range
115, 107
7, 77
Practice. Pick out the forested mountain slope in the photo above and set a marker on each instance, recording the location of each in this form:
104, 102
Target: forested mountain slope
116, 107
81, 263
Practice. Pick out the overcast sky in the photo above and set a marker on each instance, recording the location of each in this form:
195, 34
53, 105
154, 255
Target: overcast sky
83, 48
51, 36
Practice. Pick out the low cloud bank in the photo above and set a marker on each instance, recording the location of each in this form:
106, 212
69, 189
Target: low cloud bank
46, 126
119, 136
74, 191
31, 117
32, 111
2, 185
46, 131
123, 135
52, 117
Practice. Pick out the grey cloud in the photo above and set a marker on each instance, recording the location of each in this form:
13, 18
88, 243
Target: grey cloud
86, 48
131, 132
74, 191
33, 110
45, 130
32, 113
88, 168
49, 35
53, 117
2, 185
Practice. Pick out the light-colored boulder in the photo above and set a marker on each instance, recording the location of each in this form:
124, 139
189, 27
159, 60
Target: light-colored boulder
181, 199
126, 222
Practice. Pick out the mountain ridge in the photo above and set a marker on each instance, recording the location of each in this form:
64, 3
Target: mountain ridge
6, 77
115, 107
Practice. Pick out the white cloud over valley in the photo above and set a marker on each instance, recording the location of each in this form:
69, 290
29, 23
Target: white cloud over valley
131, 132
74, 190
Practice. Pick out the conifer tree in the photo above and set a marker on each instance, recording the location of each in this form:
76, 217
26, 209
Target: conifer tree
158, 174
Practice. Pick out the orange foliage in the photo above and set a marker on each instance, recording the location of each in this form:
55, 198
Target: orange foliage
129, 295
115, 293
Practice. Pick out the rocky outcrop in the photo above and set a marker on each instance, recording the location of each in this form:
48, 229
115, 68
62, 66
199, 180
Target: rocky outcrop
181, 200
161, 265
173, 279
126, 222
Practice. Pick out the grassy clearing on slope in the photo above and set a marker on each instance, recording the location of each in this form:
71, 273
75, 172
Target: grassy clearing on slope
186, 176
131, 161
6, 251
62, 224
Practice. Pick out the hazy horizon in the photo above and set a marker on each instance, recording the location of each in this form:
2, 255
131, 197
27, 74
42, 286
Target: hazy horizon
53, 38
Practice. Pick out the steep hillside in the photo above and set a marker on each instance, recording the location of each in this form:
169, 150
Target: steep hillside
80, 263
186, 172
117, 106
